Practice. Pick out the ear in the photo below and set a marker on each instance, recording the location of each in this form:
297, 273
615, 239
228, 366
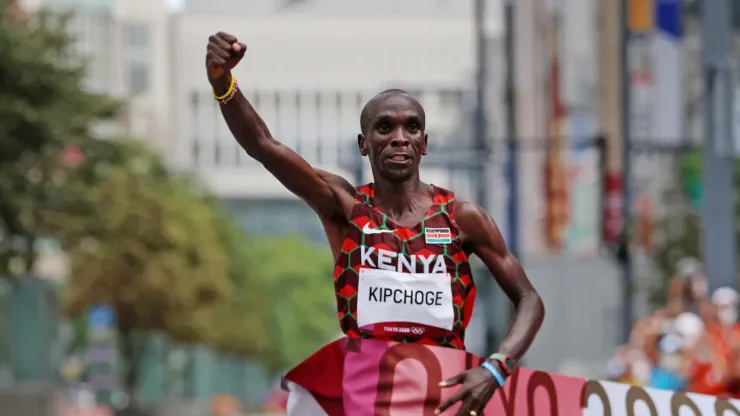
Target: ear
362, 143
424, 148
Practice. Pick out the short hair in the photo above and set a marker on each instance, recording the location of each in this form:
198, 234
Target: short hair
366, 110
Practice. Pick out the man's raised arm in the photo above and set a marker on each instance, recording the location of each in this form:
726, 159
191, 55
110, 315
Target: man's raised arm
324, 192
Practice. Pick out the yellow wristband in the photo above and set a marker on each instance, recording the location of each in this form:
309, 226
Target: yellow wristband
228, 92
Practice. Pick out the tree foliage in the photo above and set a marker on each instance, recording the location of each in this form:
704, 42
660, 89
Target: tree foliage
681, 231
167, 257
43, 110
150, 251
144, 242
297, 283
682, 234
242, 325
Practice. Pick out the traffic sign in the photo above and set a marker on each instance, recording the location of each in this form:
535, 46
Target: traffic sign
101, 317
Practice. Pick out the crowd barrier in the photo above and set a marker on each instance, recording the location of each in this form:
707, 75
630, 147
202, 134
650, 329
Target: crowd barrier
371, 378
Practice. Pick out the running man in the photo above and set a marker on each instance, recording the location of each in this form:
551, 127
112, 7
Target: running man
401, 246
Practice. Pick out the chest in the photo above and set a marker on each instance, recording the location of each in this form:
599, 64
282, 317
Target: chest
432, 246
409, 219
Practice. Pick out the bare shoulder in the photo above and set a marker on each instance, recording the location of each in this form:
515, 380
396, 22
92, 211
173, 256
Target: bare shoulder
470, 215
337, 183
475, 224
341, 188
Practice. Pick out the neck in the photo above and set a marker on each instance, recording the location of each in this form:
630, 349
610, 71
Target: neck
398, 197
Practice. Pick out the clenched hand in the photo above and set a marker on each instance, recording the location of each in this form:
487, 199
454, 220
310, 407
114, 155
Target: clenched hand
224, 52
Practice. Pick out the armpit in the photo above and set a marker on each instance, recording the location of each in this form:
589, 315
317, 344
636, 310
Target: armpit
337, 183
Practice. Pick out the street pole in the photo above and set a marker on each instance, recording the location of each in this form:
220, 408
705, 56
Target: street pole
718, 216
512, 207
481, 125
628, 277
359, 160
512, 167
482, 147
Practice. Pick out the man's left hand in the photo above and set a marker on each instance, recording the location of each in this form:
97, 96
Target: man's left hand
477, 388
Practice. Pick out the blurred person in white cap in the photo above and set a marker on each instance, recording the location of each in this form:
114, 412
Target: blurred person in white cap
724, 334
670, 373
702, 369
690, 328
726, 300
723, 329
705, 365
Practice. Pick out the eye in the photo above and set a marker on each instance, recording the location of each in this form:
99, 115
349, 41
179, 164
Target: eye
413, 128
384, 129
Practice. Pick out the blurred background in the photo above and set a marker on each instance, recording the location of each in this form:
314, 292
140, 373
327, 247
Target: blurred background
149, 267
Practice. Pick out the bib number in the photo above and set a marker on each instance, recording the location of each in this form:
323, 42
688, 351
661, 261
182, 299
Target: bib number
386, 296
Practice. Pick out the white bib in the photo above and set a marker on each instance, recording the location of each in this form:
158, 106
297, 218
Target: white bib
416, 298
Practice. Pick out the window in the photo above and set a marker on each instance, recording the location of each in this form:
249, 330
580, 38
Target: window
138, 46
138, 77
137, 35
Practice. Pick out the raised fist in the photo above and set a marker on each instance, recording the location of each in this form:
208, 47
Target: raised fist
224, 52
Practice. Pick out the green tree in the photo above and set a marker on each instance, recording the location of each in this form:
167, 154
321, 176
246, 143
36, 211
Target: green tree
150, 251
242, 325
297, 282
681, 230
282, 308
43, 111
682, 234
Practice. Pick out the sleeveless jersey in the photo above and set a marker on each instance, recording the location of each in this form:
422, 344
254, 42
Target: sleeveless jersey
406, 284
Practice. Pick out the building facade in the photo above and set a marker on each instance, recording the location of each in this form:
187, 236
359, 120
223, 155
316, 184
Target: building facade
127, 44
309, 69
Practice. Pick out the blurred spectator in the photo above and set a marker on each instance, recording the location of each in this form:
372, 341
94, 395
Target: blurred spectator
693, 344
669, 373
689, 270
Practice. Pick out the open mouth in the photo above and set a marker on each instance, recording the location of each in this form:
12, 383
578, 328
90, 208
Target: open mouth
399, 158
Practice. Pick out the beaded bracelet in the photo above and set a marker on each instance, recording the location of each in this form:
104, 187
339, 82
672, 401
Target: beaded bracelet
231, 95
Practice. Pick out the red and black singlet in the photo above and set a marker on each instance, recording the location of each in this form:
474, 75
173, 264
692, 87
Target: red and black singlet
416, 285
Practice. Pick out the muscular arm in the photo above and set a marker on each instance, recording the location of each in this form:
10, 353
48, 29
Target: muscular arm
482, 237
324, 192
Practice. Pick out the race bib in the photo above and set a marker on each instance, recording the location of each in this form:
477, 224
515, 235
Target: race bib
416, 298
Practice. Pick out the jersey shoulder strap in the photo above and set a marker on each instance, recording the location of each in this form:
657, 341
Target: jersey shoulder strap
364, 193
445, 199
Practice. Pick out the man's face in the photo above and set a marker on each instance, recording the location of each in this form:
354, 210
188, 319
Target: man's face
394, 138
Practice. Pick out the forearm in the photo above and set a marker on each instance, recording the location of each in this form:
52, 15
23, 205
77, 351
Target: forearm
528, 317
248, 128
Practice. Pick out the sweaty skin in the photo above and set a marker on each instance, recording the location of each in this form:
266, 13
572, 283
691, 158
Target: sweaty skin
394, 141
